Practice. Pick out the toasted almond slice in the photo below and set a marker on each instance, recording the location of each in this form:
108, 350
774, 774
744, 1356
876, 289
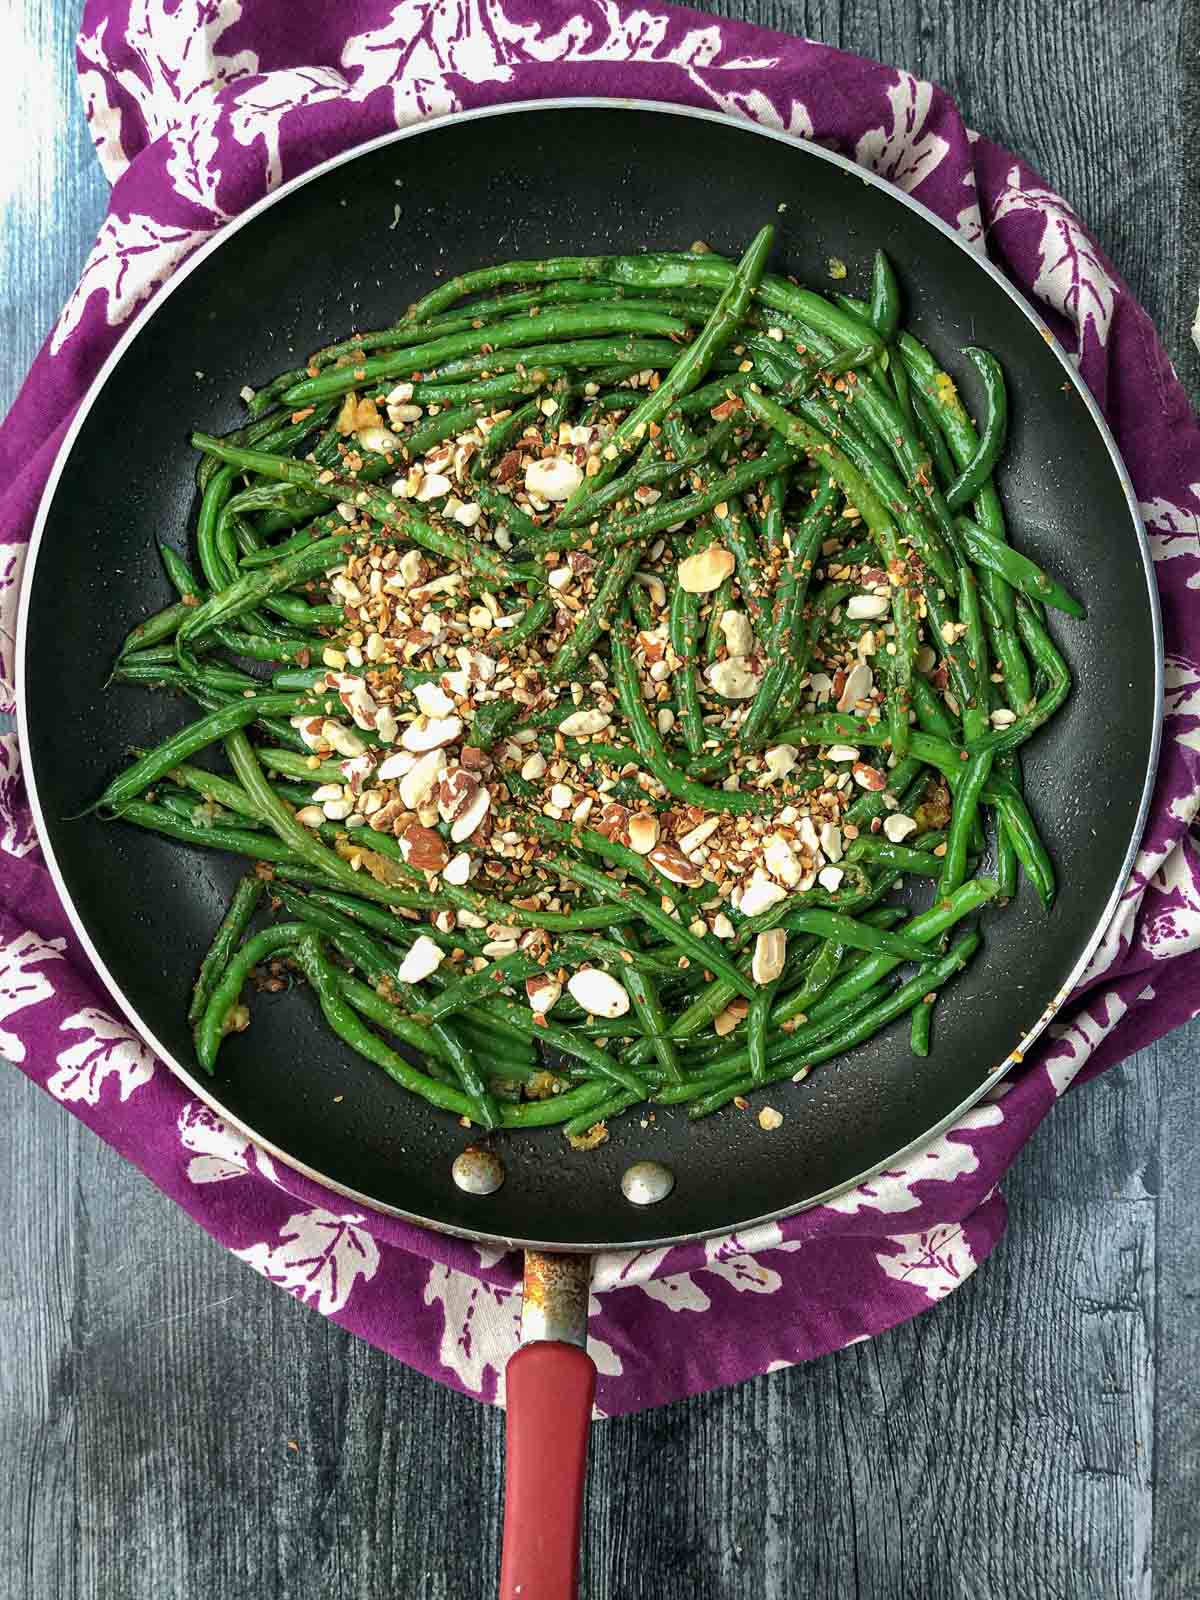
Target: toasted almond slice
770, 953
599, 994
423, 958
898, 827
643, 832
582, 724
556, 478
706, 570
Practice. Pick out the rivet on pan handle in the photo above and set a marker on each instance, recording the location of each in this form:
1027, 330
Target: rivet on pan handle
549, 1386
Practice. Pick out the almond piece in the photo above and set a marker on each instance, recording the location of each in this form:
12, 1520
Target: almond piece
674, 865
830, 878
760, 894
423, 958
770, 953
599, 994
553, 479
733, 678
643, 832
423, 848
419, 783
433, 701
582, 724
706, 570
432, 734
781, 860
542, 994
739, 635
898, 827
458, 869
779, 761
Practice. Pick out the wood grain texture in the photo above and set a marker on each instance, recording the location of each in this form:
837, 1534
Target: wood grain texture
174, 1426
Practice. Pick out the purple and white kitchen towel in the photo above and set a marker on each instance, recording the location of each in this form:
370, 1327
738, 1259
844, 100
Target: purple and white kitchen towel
197, 107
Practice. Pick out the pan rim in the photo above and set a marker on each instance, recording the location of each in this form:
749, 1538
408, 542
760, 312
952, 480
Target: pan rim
609, 103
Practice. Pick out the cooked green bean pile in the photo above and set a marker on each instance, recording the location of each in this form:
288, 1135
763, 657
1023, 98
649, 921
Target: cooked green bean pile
591, 654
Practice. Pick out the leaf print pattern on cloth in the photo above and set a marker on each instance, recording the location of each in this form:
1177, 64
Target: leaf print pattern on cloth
1072, 278
1175, 532
21, 985
219, 1151
17, 834
942, 1160
1075, 1041
319, 1256
905, 152
131, 257
934, 1262
107, 1050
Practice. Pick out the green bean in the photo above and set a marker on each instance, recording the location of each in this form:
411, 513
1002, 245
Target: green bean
966, 801
666, 513
1017, 570
698, 949
978, 471
855, 935
650, 746
934, 976
226, 940
214, 1020
884, 312
691, 367
611, 318
922, 1022
879, 520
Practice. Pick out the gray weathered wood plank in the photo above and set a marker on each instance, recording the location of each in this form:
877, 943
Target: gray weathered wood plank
1035, 1435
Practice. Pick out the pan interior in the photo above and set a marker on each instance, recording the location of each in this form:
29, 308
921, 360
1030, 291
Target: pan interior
325, 258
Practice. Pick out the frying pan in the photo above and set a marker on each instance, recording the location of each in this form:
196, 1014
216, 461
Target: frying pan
320, 256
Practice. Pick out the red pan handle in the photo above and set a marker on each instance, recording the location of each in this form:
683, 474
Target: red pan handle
549, 1385
549, 1388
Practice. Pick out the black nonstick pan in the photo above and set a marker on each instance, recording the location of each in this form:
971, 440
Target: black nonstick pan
320, 257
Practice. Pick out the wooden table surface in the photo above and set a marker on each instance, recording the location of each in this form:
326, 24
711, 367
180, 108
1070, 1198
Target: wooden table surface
171, 1426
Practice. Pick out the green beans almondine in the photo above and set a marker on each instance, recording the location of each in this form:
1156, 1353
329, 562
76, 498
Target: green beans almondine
584, 657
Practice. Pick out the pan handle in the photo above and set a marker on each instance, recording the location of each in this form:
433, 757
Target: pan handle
549, 1386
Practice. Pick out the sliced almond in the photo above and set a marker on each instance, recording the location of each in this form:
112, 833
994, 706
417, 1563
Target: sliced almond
842, 752
674, 865
396, 766
341, 739
738, 633
465, 824
599, 994
542, 994
583, 724
830, 878
422, 959
431, 733
433, 486
692, 841
422, 779
860, 680
733, 678
556, 478
378, 439
706, 570
423, 848
868, 777
898, 827
770, 953
769, 1119
643, 832
867, 607
458, 869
